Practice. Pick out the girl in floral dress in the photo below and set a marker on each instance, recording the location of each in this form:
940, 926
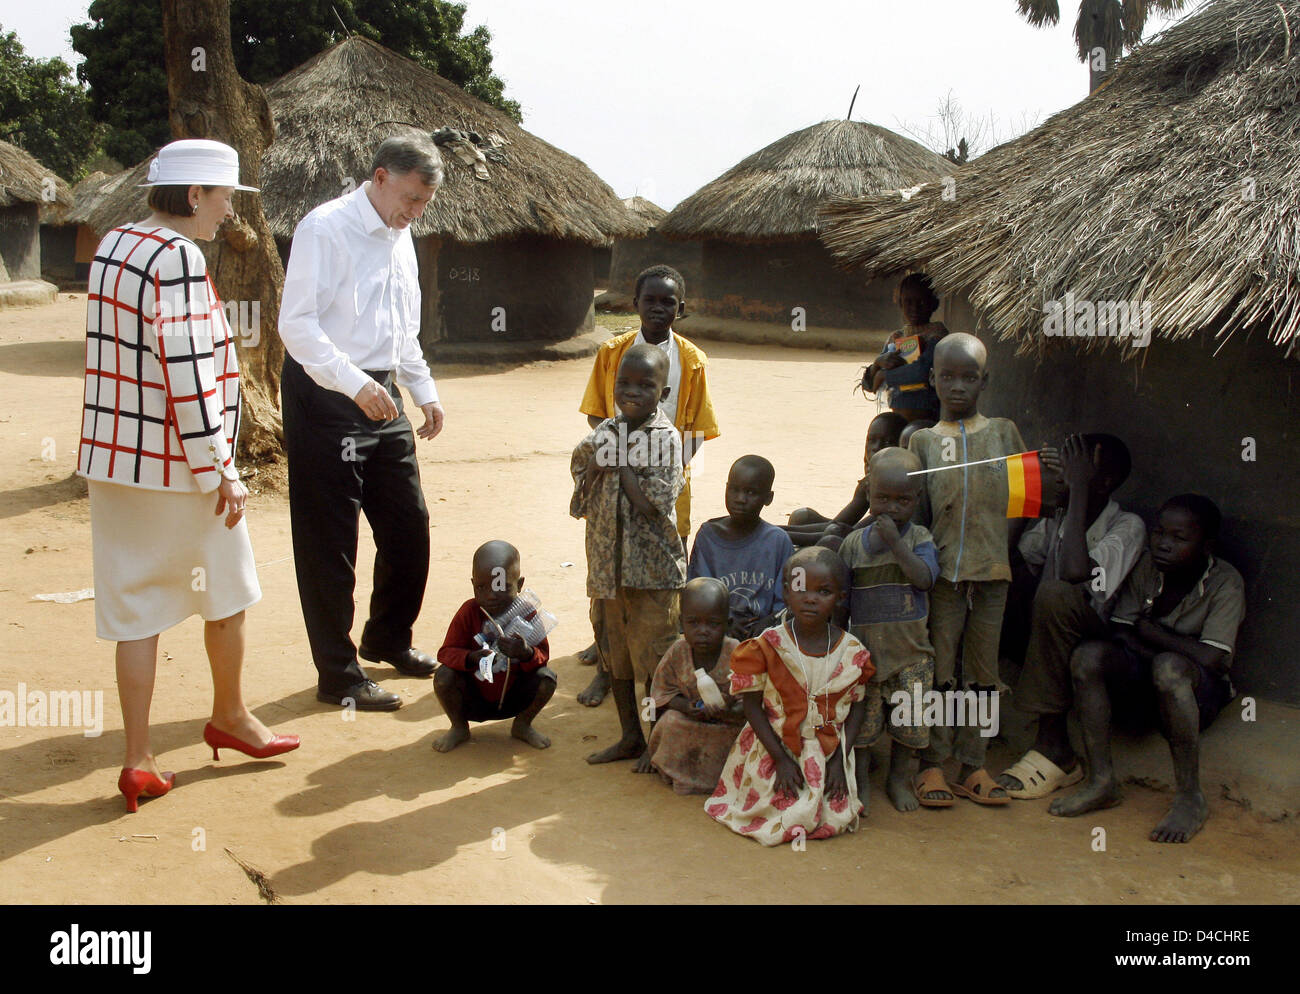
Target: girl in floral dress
803, 686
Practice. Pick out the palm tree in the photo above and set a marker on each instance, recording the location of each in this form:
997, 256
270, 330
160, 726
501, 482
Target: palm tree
1104, 28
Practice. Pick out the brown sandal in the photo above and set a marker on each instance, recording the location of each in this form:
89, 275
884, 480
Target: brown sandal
978, 786
930, 780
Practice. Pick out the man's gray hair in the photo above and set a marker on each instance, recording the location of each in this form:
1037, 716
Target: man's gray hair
410, 153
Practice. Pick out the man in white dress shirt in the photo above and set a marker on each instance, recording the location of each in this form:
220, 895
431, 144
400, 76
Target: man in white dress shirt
350, 321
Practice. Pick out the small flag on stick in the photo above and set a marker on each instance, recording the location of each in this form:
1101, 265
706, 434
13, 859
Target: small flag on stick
1024, 485
1024, 481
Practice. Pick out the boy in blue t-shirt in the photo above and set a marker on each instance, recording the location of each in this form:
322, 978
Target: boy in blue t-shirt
743, 551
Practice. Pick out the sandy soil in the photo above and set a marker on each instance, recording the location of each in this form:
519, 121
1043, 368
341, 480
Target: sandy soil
365, 811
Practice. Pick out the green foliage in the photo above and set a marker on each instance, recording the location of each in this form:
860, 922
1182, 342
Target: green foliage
123, 50
44, 112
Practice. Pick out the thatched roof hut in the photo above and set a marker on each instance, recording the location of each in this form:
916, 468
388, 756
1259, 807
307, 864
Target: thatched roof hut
1180, 174
117, 200
68, 238
328, 115
487, 247
647, 213
758, 224
633, 254
25, 188
1174, 187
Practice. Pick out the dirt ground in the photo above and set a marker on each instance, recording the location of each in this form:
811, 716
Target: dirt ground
365, 811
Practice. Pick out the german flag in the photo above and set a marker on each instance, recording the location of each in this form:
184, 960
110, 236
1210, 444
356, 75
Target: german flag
1024, 485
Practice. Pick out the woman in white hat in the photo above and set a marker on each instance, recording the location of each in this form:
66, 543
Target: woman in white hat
158, 437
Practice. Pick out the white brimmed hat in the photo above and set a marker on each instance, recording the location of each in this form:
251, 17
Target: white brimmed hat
196, 160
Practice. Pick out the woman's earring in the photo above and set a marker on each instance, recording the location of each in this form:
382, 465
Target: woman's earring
194, 208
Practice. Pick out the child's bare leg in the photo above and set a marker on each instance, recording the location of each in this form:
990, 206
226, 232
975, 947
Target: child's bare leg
643, 761
523, 729
595, 691
902, 770
1180, 718
862, 774
1088, 665
632, 743
446, 685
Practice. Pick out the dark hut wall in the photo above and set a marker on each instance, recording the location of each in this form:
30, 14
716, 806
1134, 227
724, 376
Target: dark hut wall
765, 281
543, 287
1183, 416
59, 251
633, 255
20, 241
601, 259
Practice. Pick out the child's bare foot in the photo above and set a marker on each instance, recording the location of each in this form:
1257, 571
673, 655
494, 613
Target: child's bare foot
1091, 796
1186, 816
898, 786
527, 733
596, 690
622, 749
643, 764
453, 738
587, 657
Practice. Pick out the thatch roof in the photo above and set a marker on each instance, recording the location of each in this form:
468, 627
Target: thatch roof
86, 194
1173, 184
326, 112
774, 194
325, 116
118, 199
647, 213
22, 179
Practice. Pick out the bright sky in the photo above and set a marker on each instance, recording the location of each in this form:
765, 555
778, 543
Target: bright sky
659, 98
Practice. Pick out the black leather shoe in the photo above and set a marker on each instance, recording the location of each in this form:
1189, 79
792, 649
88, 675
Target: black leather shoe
365, 696
410, 662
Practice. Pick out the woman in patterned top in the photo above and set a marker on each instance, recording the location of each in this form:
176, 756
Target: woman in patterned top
158, 436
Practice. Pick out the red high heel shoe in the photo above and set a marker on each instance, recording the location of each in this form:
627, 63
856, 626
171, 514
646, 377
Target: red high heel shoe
218, 739
133, 783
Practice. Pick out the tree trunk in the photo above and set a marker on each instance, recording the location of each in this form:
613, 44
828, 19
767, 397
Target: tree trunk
1096, 77
209, 99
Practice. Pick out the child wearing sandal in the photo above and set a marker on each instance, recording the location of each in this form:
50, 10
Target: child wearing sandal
893, 565
803, 686
965, 509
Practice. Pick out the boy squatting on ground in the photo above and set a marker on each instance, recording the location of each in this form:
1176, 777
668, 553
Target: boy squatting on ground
659, 298
1175, 625
521, 686
627, 476
692, 736
966, 511
743, 551
893, 564
1081, 555
808, 527
803, 685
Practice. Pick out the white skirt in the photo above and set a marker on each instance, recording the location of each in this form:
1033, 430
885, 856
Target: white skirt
161, 556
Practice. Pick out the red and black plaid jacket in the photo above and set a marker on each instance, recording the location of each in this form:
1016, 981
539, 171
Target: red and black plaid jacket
162, 378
